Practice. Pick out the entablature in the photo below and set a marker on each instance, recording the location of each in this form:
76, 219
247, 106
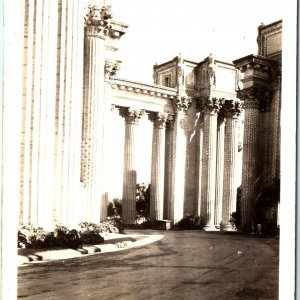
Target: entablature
142, 96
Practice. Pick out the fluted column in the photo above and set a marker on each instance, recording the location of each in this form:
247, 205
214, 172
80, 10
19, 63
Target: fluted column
275, 112
158, 165
209, 158
178, 158
97, 27
250, 171
12, 39
132, 117
231, 111
199, 167
220, 170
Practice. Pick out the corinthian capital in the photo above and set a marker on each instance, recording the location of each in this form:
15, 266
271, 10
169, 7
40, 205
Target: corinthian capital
98, 20
131, 116
182, 103
159, 119
255, 97
232, 109
213, 105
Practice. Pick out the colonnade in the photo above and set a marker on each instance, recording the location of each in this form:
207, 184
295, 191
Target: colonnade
217, 172
219, 150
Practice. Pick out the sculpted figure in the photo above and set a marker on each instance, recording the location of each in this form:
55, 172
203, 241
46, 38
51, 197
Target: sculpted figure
180, 71
259, 37
211, 70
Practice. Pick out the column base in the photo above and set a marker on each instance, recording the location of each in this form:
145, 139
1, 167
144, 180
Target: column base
227, 227
210, 228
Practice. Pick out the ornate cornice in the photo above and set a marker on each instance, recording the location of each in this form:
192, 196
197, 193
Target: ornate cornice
232, 109
159, 119
253, 62
182, 103
110, 68
98, 21
143, 88
131, 116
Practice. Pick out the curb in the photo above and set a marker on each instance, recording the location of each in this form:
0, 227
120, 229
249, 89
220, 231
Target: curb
112, 243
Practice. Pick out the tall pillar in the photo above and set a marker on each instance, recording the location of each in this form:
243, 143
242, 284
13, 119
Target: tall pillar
199, 159
158, 165
178, 159
220, 170
250, 169
130, 175
231, 111
255, 91
209, 159
97, 27
275, 112
11, 90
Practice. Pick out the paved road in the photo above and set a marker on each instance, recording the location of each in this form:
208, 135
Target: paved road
183, 265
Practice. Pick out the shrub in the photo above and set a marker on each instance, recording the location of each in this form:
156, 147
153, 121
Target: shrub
189, 222
114, 208
34, 237
143, 201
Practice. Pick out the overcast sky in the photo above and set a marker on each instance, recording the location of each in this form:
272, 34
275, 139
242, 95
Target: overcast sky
161, 29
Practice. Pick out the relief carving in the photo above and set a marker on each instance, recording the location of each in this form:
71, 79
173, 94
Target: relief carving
111, 68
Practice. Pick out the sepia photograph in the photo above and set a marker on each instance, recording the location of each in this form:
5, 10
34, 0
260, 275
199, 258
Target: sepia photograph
148, 149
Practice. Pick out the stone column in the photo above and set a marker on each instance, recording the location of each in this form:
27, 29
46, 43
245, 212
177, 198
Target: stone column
199, 159
231, 111
97, 27
11, 78
158, 165
178, 158
209, 158
275, 112
220, 170
250, 172
132, 117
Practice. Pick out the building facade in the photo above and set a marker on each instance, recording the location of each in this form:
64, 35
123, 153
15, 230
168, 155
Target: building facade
88, 137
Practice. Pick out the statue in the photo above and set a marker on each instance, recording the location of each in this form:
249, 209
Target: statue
211, 70
180, 71
259, 37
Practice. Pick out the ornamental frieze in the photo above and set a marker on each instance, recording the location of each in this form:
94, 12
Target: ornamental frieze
131, 116
98, 20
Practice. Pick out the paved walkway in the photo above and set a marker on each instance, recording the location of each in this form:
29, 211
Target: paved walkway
183, 265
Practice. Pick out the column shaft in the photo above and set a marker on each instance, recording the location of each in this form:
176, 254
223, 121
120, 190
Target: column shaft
130, 174
220, 170
199, 157
209, 169
157, 168
230, 167
250, 162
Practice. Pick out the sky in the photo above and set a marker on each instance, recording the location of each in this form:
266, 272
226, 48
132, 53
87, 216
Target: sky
161, 29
